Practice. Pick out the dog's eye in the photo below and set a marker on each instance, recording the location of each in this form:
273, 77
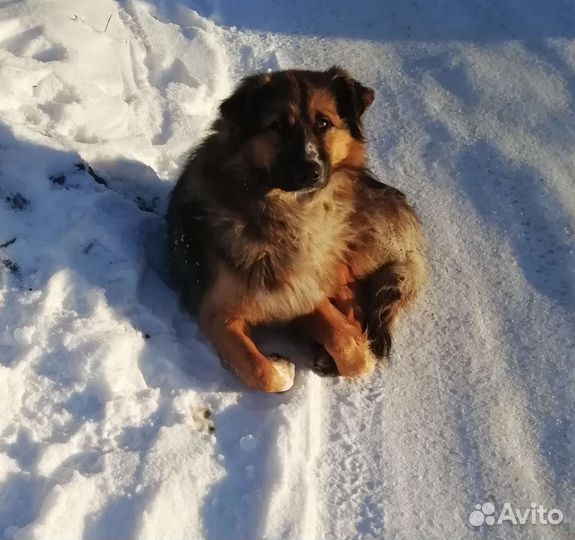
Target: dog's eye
280, 125
323, 123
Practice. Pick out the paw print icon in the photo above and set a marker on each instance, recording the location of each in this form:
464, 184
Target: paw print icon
482, 514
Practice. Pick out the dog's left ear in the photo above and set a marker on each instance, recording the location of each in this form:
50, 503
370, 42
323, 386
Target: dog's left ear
353, 98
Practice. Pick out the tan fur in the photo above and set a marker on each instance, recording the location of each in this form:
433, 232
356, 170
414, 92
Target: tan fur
236, 347
342, 147
320, 101
345, 342
312, 277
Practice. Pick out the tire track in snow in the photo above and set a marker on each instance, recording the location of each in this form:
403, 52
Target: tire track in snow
184, 63
496, 422
138, 50
292, 506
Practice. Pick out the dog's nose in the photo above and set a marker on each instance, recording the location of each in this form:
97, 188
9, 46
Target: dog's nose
312, 173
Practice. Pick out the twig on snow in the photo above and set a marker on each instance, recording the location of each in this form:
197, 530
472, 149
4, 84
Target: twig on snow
109, 19
9, 243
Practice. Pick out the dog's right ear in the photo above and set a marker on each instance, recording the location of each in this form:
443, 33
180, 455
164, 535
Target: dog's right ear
353, 98
239, 108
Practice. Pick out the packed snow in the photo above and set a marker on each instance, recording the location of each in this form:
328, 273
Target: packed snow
117, 419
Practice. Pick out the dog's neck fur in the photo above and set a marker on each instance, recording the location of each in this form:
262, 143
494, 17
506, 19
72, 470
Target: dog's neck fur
276, 246
275, 226
266, 261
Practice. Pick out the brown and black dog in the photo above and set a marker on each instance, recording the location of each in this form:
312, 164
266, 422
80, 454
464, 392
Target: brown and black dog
276, 219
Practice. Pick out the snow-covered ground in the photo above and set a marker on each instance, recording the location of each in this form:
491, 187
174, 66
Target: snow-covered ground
117, 419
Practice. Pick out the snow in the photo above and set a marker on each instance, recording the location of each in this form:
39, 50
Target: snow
117, 419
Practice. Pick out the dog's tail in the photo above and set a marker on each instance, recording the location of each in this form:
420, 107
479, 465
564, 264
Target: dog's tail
388, 291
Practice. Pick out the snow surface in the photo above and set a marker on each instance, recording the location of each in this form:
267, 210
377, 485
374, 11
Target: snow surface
116, 417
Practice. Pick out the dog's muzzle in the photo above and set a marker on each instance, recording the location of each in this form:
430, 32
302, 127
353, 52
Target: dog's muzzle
312, 174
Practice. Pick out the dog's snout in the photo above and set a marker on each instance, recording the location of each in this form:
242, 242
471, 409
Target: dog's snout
311, 151
312, 173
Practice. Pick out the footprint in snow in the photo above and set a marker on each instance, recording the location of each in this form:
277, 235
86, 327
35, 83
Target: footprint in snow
202, 418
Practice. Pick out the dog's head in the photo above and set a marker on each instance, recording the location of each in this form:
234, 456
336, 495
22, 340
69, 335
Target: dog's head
292, 129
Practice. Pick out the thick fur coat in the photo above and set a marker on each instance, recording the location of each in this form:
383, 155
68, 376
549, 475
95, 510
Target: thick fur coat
276, 219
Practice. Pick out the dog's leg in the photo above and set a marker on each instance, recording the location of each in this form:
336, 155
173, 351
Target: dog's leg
346, 343
346, 299
237, 349
390, 290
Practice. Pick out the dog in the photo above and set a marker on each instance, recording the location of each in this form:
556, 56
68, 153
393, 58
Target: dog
276, 219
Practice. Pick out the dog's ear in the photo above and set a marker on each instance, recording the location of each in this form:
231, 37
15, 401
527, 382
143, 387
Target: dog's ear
352, 97
239, 108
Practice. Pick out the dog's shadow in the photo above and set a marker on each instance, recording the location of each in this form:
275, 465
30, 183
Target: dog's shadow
175, 355
87, 229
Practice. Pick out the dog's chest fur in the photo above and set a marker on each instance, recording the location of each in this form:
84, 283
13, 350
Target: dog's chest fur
292, 260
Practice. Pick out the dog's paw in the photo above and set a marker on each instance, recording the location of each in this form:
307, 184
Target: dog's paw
285, 373
323, 364
355, 358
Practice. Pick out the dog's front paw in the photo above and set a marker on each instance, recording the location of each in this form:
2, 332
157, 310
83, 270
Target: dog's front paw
323, 364
354, 358
285, 374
